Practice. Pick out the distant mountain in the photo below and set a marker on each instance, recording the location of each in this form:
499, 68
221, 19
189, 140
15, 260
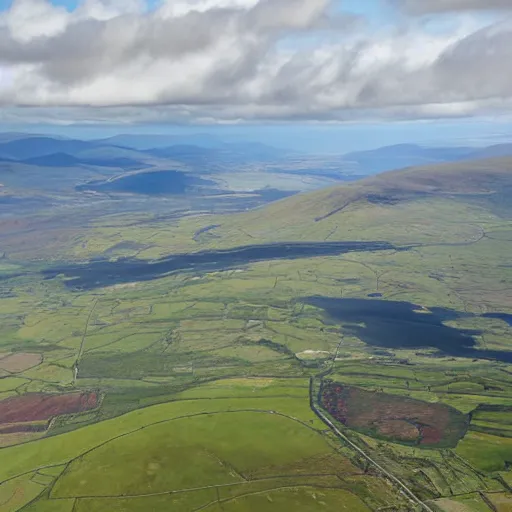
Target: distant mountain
493, 151
184, 152
53, 160
205, 141
226, 154
31, 147
65, 160
110, 152
12, 136
401, 156
131, 151
143, 142
481, 183
404, 155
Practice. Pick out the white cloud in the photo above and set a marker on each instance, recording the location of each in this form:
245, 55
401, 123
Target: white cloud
233, 60
29, 19
182, 7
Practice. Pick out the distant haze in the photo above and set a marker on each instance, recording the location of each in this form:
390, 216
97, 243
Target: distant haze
334, 139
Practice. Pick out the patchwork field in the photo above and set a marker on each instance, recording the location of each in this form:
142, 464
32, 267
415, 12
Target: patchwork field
200, 452
371, 380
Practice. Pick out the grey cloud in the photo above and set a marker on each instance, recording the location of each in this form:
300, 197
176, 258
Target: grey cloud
231, 64
89, 48
432, 6
476, 68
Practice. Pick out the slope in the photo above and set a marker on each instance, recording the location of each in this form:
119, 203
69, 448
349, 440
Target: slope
377, 202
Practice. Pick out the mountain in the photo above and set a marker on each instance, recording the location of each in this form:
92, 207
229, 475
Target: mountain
404, 155
386, 202
12, 136
225, 155
400, 156
143, 142
185, 152
493, 151
53, 160
110, 152
31, 147
65, 160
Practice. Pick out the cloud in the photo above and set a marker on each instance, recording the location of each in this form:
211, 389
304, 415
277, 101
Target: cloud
208, 61
432, 6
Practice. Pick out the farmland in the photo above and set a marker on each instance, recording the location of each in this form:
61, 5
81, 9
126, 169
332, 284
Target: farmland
199, 388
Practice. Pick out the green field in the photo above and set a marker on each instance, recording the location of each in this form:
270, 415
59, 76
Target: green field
208, 382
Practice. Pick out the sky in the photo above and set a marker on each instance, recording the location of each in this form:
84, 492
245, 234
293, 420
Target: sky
321, 73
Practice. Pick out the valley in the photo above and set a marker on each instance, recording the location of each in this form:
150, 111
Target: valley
348, 348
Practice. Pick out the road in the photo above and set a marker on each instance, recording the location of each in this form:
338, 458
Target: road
384, 471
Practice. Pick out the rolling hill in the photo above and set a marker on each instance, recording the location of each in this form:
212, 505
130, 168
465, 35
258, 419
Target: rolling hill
485, 182
408, 155
371, 357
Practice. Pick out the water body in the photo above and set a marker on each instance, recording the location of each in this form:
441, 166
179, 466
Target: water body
396, 325
100, 273
148, 183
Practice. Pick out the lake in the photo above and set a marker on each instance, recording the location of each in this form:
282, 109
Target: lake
403, 325
100, 273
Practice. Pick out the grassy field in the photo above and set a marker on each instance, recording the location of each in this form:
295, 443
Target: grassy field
191, 446
206, 382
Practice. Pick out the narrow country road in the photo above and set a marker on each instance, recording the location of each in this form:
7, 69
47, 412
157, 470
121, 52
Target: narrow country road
344, 438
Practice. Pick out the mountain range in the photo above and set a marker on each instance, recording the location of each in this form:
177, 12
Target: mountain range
199, 149
35, 164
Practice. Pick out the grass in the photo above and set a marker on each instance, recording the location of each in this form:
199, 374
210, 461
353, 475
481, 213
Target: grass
15, 493
468, 503
241, 339
192, 452
186, 501
45, 505
246, 388
502, 502
286, 499
61, 449
296, 499
212, 458
486, 452
11, 383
